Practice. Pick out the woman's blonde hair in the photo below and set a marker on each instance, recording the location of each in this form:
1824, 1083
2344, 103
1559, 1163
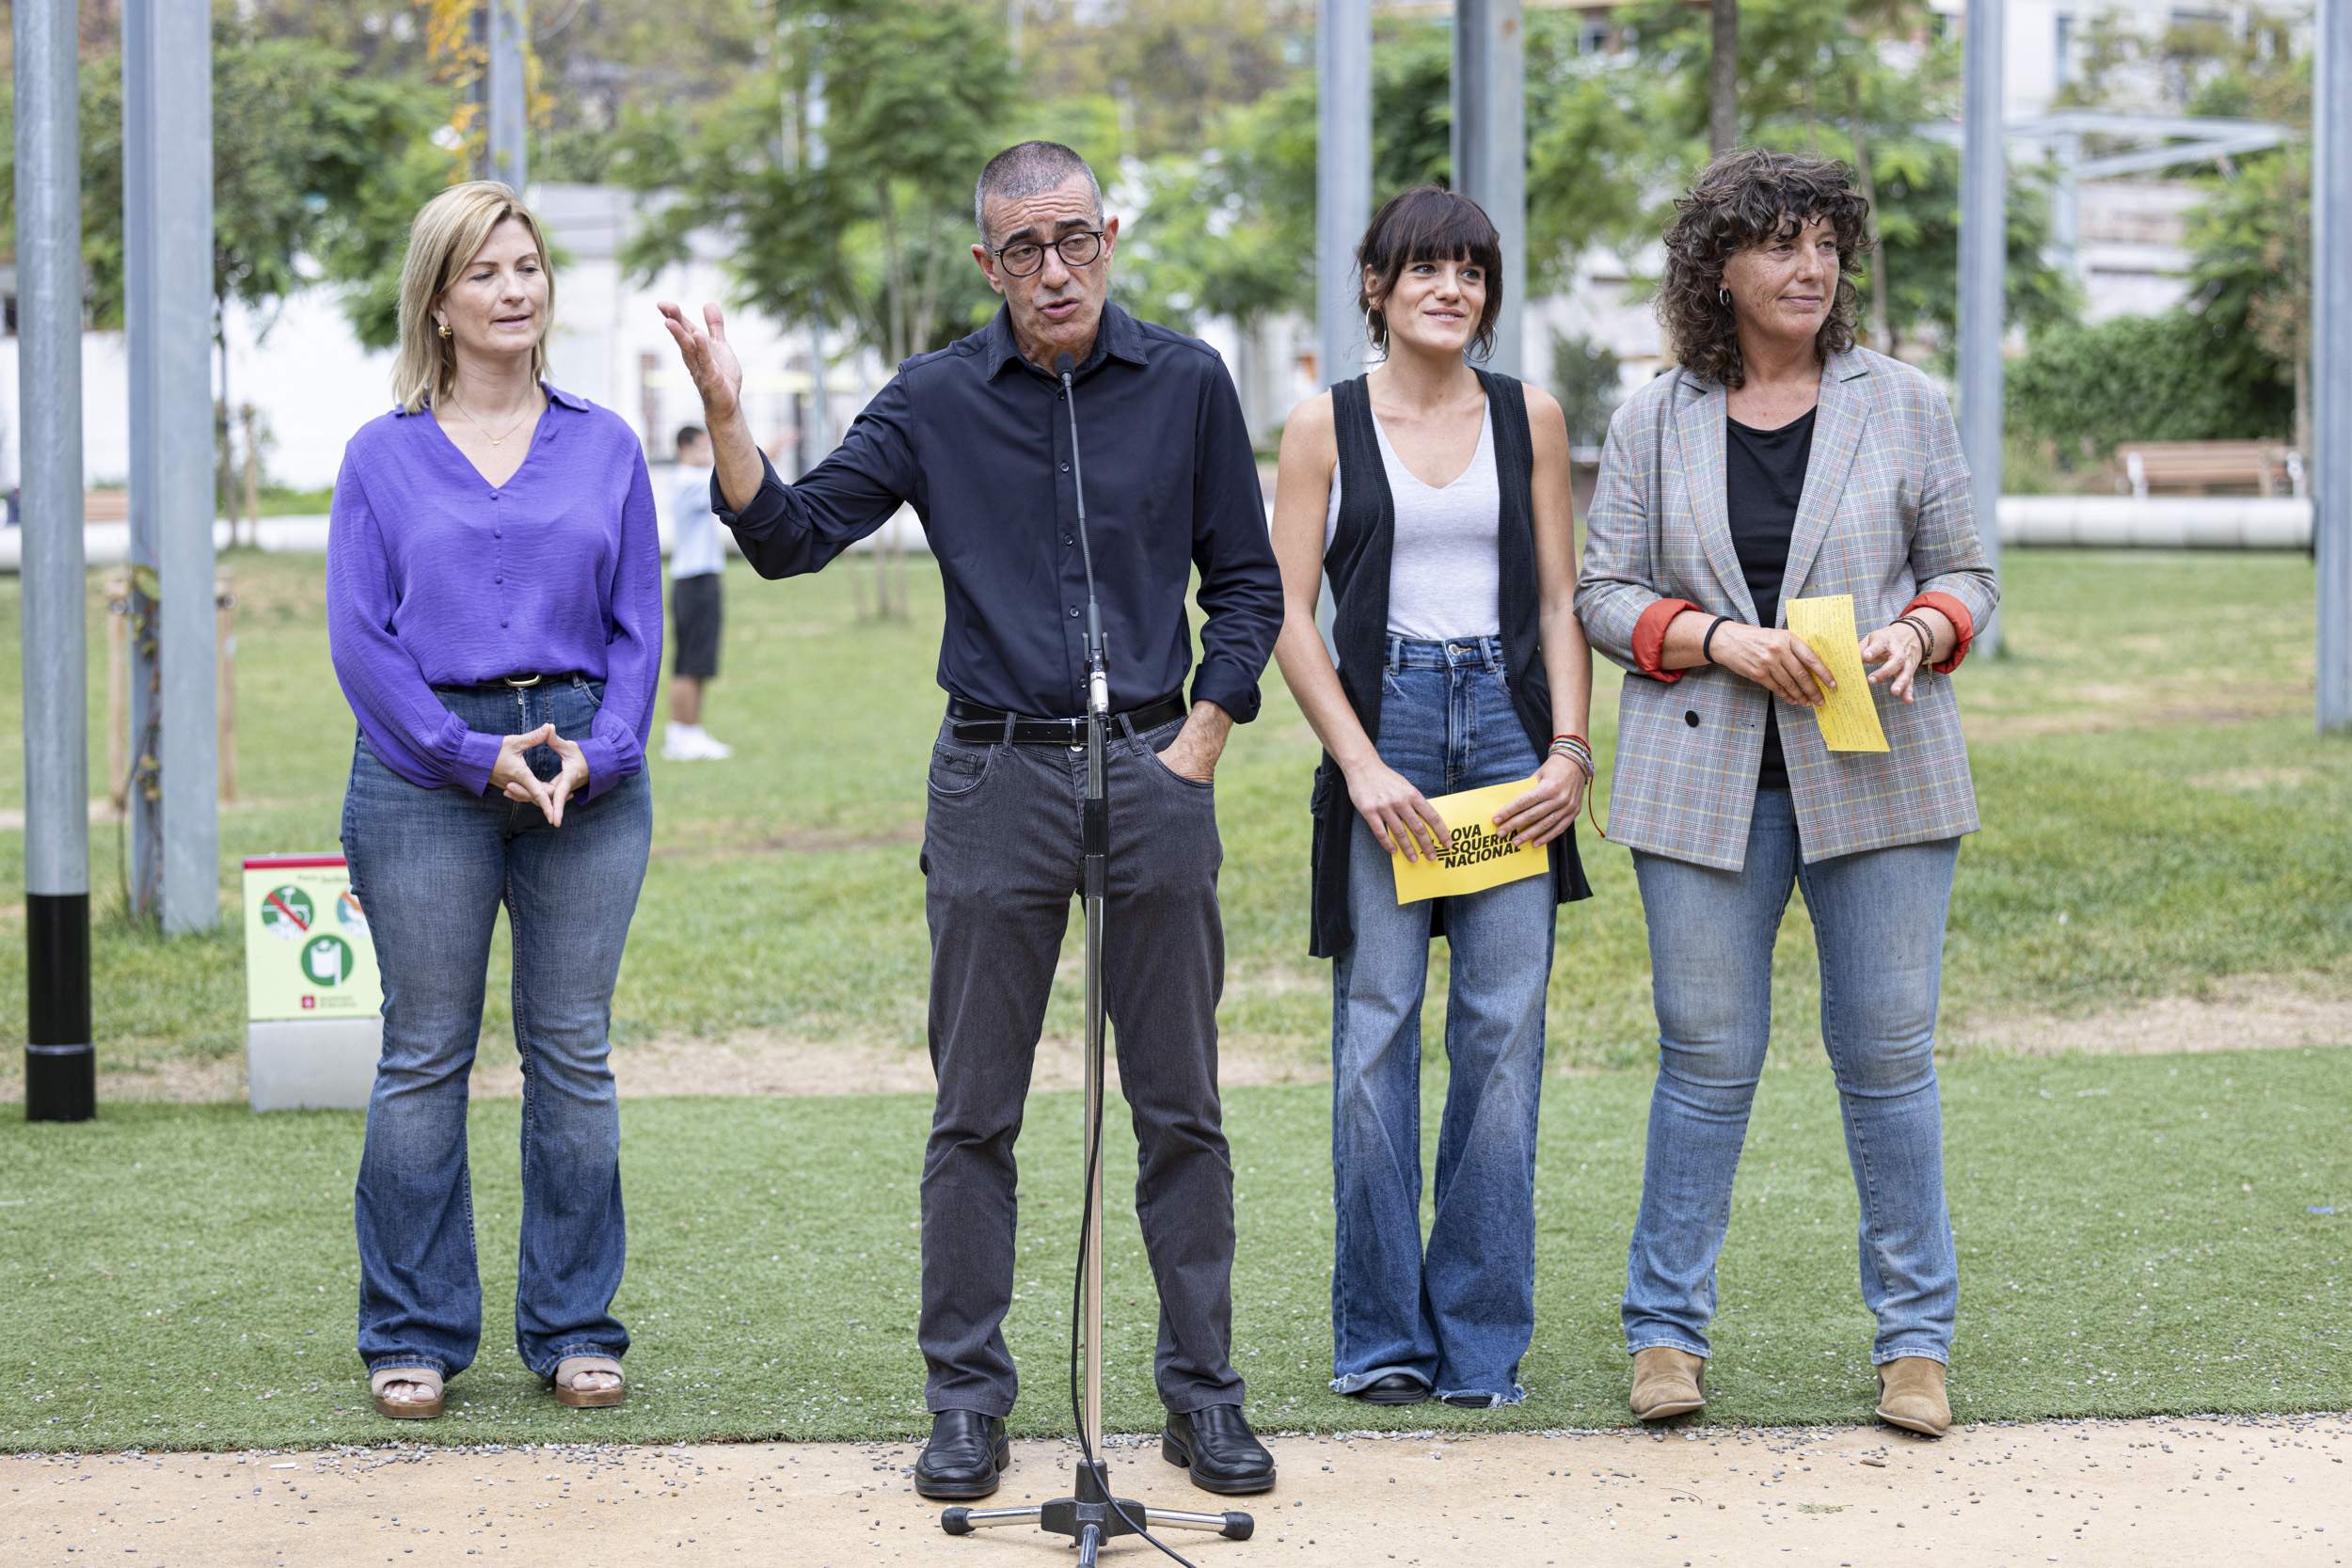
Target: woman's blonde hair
448, 232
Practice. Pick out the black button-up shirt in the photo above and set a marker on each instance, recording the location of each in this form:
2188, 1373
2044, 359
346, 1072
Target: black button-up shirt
977, 440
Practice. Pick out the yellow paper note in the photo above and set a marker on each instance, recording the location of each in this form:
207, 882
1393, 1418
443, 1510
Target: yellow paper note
1849, 719
1477, 857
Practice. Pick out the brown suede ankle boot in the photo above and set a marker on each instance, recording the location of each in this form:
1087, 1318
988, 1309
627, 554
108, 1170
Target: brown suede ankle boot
1911, 1396
1667, 1382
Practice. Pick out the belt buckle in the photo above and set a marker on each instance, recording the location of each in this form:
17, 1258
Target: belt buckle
519, 684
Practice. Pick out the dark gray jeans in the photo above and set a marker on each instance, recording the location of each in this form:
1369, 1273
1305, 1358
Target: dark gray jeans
1002, 859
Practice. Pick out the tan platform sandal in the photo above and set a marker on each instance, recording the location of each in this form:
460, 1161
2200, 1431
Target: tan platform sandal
568, 1372
407, 1407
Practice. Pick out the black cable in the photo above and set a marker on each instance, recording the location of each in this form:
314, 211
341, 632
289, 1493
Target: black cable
1094, 1127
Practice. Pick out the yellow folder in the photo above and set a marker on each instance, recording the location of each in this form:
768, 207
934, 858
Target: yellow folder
1849, 719
1477, 857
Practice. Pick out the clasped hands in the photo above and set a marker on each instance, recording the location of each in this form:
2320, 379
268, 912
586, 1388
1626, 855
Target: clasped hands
1403, 821
512, 774
1782, 664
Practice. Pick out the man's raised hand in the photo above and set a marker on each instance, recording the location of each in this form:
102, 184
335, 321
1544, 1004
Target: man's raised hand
709, 359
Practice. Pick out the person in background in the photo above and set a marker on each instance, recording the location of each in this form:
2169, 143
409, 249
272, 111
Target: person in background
697, 571
494, 616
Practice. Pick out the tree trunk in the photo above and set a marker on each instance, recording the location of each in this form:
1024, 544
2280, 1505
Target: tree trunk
1880, 338
901, 345
1722, 80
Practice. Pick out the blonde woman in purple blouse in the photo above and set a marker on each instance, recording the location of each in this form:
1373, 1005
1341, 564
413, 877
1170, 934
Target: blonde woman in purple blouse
494, 606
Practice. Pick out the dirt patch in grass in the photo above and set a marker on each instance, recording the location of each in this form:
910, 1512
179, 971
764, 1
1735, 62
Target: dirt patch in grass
2123, 709
2245, 1012
2251, 1012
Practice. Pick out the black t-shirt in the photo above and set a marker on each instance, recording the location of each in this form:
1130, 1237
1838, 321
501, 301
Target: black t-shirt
1764, 479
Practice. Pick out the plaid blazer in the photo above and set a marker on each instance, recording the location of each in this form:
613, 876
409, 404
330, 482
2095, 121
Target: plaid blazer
1885, 515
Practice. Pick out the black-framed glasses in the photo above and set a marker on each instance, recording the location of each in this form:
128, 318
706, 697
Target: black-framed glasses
1077, 249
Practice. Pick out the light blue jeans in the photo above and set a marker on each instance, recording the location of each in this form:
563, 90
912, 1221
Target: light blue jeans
1458, 1316
1878, 918
431, 867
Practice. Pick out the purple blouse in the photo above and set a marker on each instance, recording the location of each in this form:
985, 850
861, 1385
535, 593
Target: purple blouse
436, 577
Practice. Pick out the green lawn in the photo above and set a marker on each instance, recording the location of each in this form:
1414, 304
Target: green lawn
2136, 1236
2159, 819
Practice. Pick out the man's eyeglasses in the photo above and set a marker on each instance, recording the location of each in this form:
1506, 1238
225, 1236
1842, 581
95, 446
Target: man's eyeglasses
1076, 249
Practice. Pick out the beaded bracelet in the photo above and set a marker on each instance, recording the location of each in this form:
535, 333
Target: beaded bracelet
1927, 641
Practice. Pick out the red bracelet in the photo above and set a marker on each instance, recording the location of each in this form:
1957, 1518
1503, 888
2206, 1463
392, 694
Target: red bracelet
1570, 735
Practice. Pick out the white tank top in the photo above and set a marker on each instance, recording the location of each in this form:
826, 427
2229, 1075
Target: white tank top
1444, 564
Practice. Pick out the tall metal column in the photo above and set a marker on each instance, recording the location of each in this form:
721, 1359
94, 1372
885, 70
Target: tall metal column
168, 135
60, 1062
817, 440
2331, 354
510, 151
1490, 145
1343, 179
1984, 256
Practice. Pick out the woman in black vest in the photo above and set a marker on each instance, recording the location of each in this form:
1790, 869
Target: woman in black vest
1436, 495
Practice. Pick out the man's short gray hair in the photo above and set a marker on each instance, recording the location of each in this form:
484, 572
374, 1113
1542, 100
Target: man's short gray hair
1025, 169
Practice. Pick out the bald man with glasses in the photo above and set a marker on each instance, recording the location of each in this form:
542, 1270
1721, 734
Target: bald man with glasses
976, 438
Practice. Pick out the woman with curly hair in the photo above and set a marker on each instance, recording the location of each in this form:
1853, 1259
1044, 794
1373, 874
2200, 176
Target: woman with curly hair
1780, 461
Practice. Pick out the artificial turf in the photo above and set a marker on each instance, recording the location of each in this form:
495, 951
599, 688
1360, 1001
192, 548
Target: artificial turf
2136, 1235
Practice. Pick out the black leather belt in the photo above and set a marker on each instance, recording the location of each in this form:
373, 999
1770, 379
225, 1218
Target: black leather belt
975, 724
512, 683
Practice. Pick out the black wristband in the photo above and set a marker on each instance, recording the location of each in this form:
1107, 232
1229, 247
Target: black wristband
1707, 643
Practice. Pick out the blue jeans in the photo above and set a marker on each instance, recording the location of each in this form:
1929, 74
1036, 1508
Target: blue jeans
431, 867
1878, 918
1459, 1316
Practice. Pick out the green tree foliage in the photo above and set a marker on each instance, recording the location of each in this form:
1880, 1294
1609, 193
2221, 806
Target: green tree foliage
917, 96
305, 149
1854, 80
2140, 378
1171, 67
1229, 230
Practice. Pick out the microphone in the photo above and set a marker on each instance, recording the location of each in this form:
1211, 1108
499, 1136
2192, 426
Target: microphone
1098, 679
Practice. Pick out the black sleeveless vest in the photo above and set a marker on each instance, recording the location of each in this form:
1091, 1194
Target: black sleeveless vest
1357, 565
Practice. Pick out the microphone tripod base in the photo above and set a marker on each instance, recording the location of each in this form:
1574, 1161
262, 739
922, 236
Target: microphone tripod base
1089, 1517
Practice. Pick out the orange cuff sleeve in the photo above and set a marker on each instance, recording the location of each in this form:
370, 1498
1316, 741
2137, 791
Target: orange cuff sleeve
1649, 637
1957, 613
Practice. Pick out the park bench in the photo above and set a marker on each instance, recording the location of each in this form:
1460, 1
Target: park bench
2202, 468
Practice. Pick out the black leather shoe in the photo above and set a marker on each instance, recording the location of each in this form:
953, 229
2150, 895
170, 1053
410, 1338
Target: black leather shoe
965, 1457
1219, 1451
1395, 1388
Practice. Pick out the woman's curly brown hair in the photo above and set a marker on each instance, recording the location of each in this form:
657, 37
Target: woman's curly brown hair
1747, 197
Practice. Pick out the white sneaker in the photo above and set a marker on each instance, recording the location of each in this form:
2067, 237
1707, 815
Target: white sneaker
709, 749
677, 743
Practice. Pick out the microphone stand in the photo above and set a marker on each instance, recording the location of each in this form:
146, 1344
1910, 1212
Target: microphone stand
1092, 1516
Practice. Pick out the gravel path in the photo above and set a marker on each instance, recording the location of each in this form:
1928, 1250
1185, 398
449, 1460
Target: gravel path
2274, 1490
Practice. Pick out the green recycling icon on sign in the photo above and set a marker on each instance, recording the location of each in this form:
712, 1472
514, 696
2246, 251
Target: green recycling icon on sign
327, 960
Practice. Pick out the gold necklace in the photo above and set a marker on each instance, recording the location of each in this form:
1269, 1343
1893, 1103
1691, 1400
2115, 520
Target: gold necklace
494, 440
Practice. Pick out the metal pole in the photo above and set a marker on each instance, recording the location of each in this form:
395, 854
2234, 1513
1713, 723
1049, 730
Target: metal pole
169, 120
143, 835
510, 159
60, 1062
2331, 351
818, 439
1489, 144
1343, 179
1984, 252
